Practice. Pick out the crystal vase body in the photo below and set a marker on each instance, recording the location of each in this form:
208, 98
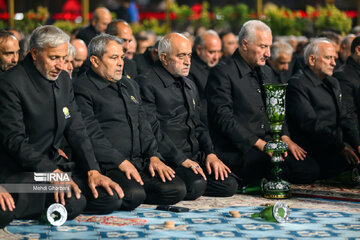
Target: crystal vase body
275, 109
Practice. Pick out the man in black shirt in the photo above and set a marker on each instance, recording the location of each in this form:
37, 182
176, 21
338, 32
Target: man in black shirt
237, 112
9, 50
121, 136
38, 110
315, 114
349, 78
172, 104
207, 53
280, 60
146, 61
98, 24
122, 30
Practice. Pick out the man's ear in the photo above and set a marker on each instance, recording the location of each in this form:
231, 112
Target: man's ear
34, 53
244, 44
198, 50
163, 58
357, 50
94, 61
312, 60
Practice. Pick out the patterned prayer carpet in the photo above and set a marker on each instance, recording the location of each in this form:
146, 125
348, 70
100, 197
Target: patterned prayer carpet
209, 218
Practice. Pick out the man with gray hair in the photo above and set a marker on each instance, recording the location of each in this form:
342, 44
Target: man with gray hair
68, 60
9, 50
280, 59
122, 138
206, 54
172, 104
37, 111
345, 48
237, 115
315, 113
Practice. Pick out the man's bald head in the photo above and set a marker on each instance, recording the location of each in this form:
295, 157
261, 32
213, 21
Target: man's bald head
81, 53
122, 30
101, 19
175, 54
208, 47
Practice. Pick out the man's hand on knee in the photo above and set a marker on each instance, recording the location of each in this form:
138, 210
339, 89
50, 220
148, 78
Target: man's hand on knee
96, 179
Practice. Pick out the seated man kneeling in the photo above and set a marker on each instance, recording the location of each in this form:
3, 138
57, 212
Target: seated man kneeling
120, 133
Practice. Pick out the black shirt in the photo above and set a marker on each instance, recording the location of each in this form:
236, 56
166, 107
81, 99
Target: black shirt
115, 120
173, 108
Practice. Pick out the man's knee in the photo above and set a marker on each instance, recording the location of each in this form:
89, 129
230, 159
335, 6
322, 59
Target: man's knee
171, 192
104, 204
133, 198
5, 218
75, 206
195, 189
221, 188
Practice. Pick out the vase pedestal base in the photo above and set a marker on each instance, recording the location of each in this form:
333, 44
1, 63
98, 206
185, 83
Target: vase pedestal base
276, 190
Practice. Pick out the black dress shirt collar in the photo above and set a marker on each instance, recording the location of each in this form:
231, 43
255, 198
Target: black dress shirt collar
243, 67
166, 77
350, 61
312, 76
100, 82
34, 73
200, 63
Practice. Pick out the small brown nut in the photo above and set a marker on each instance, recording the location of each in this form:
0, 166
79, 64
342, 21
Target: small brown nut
169, 224
234, 212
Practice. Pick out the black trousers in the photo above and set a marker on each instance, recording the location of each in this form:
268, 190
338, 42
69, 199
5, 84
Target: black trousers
255, 165
32, 205
195, 183
5, 218
103, 204
331, 163
154, 191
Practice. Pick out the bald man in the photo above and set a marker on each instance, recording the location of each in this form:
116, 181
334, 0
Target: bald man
122, 30
9, 50
207, 53
172, 104
99, 22
81, 53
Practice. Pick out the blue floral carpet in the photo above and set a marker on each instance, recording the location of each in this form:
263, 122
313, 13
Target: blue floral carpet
208, 219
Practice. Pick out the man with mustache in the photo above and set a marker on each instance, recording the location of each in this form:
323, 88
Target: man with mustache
38, 110
122, 30
316, 115
237, 116
122, 138
172, 104
9, 50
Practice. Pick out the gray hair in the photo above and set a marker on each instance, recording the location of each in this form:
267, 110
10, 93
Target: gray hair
199, 40
345, 41
97, 45
71, 50
48, 35
249, 28
280, 47
313, 47
165, 44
